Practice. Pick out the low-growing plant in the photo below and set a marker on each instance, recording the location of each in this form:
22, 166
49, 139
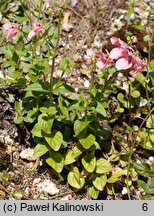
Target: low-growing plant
58, 115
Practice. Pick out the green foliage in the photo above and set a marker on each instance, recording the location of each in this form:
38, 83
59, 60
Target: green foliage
75, 179
74, 132
56, 161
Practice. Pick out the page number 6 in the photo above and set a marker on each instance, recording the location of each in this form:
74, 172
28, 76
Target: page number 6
145, 207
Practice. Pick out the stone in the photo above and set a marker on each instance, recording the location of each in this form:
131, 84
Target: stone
27, 154
48, 186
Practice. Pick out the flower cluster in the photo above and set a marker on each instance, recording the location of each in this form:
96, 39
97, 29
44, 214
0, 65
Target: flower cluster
124, 57
121, 55
37, 29
12, 30
99, 58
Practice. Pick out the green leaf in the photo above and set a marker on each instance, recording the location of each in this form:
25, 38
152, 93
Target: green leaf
62, 88
56, 161
74, 179
143, 169
44, 110
143, 185
135, 94
141, 79
18, 120
73, 155
29, 94
36, 131
15, 58
122, 98
36, 87
151, 135
66, 64
145, 138
150, 121
40, 150
99, 182
79, 126
87, 141
100, 109
31, 116
110, 189
115, 176
89, 162
140, 27
51, 111
45, 122
55, 140
63, 106
103, 166
93, 192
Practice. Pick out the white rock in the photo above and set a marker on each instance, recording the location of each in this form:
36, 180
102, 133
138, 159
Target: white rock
27, 190
48, 187
50, 62
1, 16
86, 83
73, 3
120, 75
150, 161
67, 27
124, 191
125, 86
143, 102
27, 154
67, 197
1, 75
151, 158
36, 181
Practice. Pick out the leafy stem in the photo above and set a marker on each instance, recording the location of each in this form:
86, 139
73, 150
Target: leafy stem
52, 69
40, 8
129, 139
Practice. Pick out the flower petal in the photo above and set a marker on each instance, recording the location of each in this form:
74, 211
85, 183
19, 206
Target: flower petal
90, 52
116, 53
100, 65
123, 64
11, 33
100, 55
31, 34
35, 23
119, 43
7, 26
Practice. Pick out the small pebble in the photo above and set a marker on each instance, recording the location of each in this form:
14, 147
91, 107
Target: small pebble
86, 83
67, 197
27, 154
124, 191
36, 181
143, 102
48, 187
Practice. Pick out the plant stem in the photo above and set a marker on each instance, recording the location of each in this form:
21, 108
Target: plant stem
144, 120
92, 76
127, 180
40, 8
23, 7
129, 140
55, 53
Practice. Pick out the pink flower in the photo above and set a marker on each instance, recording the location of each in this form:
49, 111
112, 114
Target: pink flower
90, 54
119, 43
138, 66
125, 58
12, 31
103, 60
37, 29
